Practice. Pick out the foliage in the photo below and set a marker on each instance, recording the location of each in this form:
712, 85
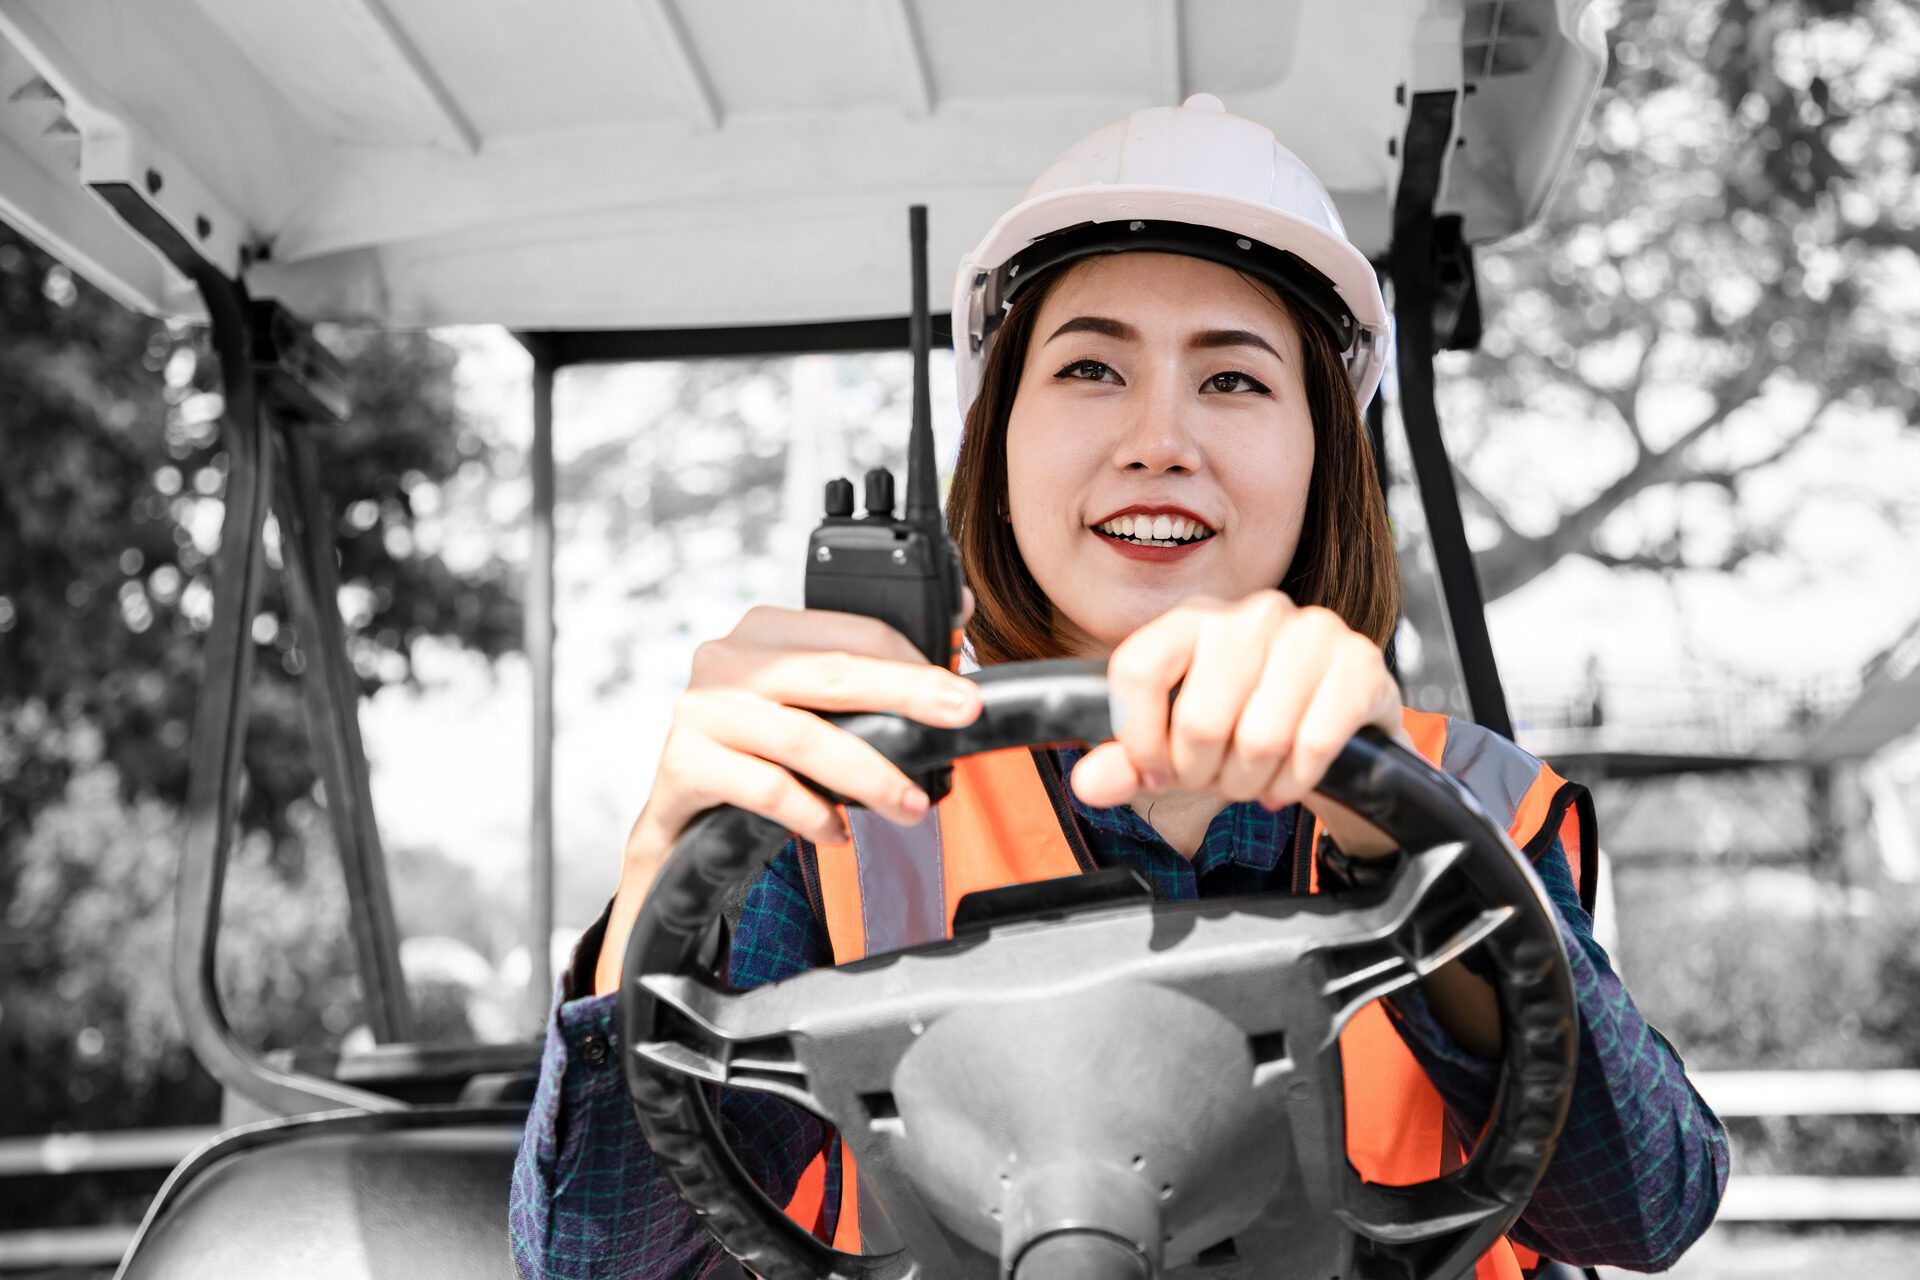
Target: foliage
1772, 969
110, 512
1723, 275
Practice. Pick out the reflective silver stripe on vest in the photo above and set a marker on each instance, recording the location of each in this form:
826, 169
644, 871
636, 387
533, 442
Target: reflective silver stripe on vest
903, 886
876, 1232
1492, 768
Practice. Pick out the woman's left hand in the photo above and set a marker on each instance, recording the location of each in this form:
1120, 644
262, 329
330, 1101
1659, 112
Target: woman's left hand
1268, 694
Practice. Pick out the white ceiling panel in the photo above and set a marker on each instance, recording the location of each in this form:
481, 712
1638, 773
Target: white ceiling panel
636, 163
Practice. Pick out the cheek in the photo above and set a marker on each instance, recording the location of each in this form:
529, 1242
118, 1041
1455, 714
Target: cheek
1046, 461
1268, 487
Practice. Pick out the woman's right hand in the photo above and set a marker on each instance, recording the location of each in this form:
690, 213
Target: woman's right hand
747, 718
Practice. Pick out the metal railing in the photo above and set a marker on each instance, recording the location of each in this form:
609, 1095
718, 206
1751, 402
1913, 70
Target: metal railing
1729, 1093
1725, 717
79, 1154
1785, 1198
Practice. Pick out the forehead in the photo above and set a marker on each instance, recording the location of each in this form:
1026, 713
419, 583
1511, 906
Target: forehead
1164, 291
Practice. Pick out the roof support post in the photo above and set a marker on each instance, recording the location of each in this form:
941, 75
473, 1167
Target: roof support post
539, 641
331, 691
1430, 127
220, 719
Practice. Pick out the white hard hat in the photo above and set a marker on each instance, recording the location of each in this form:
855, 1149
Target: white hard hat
1190, 179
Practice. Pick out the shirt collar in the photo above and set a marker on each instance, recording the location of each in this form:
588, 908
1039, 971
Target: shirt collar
1246, 834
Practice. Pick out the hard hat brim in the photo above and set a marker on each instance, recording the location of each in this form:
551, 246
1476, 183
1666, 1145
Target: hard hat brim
1326, 251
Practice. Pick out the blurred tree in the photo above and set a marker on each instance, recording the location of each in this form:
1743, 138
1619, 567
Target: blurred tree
1721, 276
110, 509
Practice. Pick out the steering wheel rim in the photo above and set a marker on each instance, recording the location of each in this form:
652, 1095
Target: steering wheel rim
667, 1003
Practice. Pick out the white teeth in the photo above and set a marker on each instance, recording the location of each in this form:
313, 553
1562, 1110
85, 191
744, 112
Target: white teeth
1144, 528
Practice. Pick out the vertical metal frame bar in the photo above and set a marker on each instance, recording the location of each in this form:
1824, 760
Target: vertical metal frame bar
219, 737
1429, 136
332, 696
540, 632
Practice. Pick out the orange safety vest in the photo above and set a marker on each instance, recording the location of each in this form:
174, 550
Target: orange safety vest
1008, 821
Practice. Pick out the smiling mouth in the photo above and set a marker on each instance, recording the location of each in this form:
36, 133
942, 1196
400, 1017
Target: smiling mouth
1154, 531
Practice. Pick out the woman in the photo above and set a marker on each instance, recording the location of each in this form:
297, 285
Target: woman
1168, 346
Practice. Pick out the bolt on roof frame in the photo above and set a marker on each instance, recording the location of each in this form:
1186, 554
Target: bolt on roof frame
271, 467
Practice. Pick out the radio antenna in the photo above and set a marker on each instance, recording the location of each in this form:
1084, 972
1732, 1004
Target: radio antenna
923, 481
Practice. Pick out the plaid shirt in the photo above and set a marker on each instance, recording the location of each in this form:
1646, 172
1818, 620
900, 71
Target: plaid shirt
1636, 1178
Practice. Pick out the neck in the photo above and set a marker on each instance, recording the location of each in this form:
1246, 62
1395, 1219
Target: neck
1181, 817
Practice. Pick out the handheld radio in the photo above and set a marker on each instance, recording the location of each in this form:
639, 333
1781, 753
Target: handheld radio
902, 570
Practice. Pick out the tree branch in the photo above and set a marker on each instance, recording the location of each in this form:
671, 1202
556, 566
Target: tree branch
1626, 400
1884, 233
1514, 563
1474, 493
1726, 476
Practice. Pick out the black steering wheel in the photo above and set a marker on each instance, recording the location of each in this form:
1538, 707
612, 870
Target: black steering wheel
1086, 1083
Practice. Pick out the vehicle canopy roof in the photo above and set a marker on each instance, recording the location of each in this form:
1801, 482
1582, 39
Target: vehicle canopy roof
647, 164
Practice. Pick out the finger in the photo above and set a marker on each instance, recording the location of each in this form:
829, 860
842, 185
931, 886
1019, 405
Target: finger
1231, 653
697, 773
838, 680
1356, 690
1142, 673
1271, 717
1105, 777
806, 744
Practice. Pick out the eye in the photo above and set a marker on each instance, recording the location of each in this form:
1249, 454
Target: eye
1232, 382
1088, 371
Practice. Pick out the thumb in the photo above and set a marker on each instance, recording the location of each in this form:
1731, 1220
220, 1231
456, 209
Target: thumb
1105, 777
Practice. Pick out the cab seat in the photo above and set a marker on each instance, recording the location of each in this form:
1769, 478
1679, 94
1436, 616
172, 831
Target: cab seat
409, 1195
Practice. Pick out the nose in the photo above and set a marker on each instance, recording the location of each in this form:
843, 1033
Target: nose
1155, 436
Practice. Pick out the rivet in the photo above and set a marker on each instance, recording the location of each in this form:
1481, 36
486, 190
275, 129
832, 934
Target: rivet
1013, 271
823, 554
202, 226
899, 555
1244, 243
1136, 226
153, 182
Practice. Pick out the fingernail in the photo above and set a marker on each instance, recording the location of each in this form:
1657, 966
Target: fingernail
914, 801
958, 698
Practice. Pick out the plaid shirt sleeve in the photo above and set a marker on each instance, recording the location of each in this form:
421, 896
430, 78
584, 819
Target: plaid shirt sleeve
588, 1200
1642, 1162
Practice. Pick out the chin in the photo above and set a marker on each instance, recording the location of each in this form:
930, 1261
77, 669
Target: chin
1105, 623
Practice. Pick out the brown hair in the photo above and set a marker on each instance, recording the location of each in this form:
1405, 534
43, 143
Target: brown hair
1345, 560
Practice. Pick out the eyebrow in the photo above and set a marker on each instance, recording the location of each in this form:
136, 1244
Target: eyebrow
1205, 340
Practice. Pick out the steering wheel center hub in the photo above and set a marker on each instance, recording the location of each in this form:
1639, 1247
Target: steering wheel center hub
1127, 1109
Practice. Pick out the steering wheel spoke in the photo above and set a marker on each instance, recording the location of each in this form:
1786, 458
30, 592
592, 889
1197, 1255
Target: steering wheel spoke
1429, 918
